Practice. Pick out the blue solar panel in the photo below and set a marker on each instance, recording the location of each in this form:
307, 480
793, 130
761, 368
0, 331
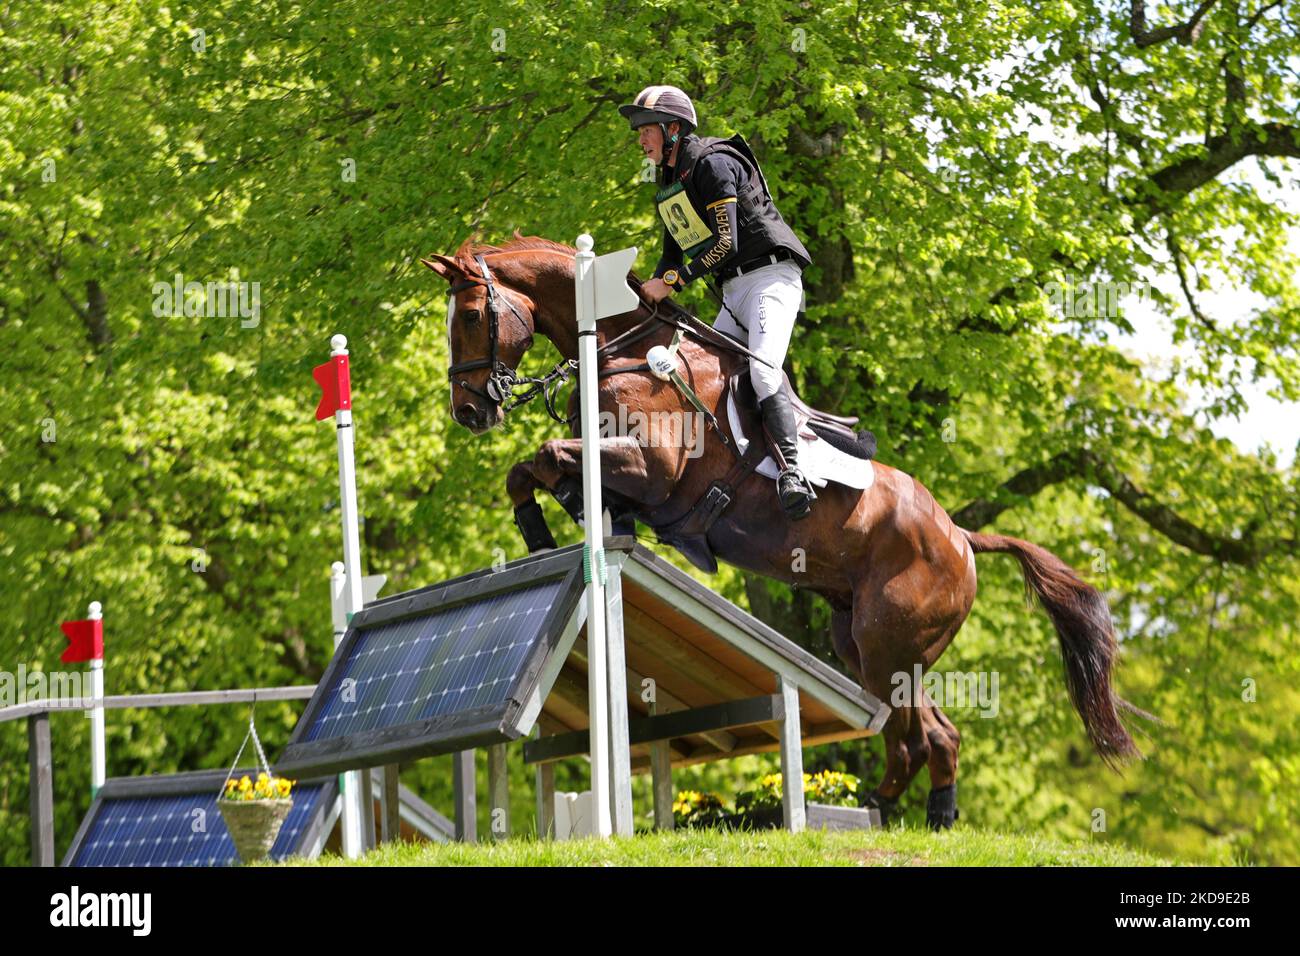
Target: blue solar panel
449, 661
160, 830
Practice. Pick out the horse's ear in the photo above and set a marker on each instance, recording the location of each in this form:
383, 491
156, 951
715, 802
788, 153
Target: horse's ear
449, 269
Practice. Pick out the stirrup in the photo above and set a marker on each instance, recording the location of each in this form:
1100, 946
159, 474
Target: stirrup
795, 493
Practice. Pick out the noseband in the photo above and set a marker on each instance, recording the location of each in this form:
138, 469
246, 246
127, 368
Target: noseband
502, 380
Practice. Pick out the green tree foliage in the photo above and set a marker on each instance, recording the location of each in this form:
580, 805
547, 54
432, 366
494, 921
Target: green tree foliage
946, 163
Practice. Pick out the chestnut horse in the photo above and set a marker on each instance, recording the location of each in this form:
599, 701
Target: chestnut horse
898, 573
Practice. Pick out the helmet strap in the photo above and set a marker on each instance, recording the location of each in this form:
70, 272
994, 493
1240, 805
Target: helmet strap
668, 143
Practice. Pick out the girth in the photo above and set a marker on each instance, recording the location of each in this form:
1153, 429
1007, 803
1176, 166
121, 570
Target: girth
689, 532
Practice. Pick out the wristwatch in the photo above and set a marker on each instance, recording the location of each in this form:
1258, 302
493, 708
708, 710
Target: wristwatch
671, 277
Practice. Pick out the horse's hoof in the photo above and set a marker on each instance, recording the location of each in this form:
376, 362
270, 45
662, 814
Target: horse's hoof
887, 807
941, 809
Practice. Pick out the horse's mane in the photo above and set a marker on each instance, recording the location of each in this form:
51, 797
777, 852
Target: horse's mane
520, 243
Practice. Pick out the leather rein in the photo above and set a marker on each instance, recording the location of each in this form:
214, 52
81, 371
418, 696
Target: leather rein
503, 381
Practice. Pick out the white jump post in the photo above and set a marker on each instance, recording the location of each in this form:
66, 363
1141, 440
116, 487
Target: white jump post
335, 380
98, 745
86, 644
600, 290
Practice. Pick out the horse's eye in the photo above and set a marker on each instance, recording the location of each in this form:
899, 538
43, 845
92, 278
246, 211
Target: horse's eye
472, 316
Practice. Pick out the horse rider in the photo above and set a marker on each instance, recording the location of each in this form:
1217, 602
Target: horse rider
716, 208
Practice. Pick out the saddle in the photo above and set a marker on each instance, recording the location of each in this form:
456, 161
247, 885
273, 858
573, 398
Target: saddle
836, 429
689, 532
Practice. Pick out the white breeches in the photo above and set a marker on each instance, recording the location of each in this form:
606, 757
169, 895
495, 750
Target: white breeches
761, 307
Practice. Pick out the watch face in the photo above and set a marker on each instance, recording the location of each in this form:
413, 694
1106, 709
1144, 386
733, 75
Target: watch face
670, 276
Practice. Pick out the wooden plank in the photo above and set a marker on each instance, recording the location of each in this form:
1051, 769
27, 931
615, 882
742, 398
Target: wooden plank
464, 787
41, 788
498, 793
545, 801
686, 600
313, 844
367, 813
792, 808
571, 689
641, 761
670, 701
681, 664
719, 739
390, 806
734, 713
148, 701
661, 774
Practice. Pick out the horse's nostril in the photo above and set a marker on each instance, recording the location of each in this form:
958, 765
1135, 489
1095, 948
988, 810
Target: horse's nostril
465, 414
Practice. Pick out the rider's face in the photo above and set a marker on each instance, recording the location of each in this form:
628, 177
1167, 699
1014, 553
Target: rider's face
651, 139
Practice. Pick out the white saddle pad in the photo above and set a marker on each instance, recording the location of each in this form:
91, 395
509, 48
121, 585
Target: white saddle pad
819, 460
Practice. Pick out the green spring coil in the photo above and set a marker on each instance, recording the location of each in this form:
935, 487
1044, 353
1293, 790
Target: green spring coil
600, 565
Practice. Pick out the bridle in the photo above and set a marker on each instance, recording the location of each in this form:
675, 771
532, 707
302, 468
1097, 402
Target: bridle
502, 379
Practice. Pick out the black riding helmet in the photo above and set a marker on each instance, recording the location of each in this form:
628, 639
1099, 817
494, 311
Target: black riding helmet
662, 105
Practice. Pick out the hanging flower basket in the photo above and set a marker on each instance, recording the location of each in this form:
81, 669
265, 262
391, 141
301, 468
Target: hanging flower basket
254, 811
254, 824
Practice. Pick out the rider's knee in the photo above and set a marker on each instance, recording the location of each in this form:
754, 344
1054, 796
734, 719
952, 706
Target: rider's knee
767, 381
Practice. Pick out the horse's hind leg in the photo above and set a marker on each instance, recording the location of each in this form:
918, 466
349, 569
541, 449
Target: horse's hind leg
842, 641
941, 810
894, 645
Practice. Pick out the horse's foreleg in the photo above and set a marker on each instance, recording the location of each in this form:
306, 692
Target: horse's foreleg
521, 484
624, 470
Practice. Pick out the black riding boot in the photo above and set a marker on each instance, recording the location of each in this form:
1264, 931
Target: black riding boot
792, 488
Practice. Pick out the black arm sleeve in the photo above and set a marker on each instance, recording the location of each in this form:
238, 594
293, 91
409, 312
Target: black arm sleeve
724, 245
717, 179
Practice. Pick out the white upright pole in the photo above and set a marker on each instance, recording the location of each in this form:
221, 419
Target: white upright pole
350, 782
348, 497
98, 762
593, 553
351, 590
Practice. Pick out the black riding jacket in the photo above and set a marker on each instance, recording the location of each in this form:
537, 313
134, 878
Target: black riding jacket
720, 209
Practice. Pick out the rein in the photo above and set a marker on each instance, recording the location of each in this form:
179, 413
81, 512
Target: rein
503, 381
694, 523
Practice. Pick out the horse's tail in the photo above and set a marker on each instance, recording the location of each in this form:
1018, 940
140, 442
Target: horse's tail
1087, 638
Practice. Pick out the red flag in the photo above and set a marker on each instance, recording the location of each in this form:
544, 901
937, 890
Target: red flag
85, 641
336, 386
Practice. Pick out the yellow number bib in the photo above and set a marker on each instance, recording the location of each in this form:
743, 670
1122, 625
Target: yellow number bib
684, 224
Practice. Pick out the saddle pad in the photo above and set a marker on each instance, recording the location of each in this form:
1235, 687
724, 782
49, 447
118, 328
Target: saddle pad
819, 460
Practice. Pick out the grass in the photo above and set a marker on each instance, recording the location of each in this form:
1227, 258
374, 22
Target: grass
892, 847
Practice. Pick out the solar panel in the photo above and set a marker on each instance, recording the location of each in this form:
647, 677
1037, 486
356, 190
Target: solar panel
456, 659
440, 669
173, 820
